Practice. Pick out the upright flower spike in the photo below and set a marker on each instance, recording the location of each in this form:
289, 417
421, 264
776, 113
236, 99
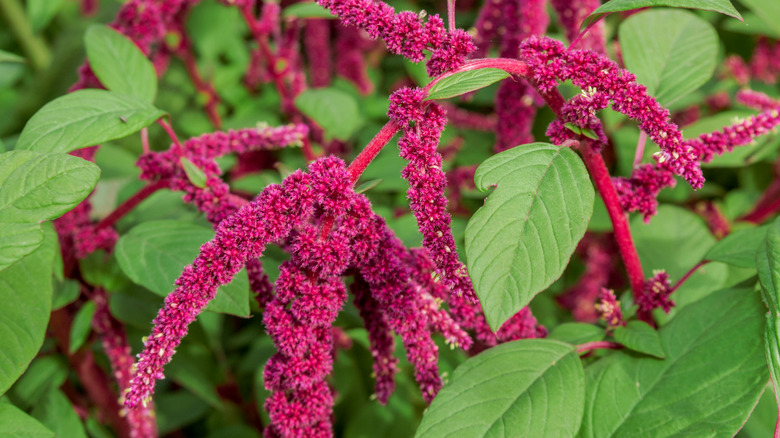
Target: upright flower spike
269, 218
656, 293
350, 59
571, 14
422, 126
609, 308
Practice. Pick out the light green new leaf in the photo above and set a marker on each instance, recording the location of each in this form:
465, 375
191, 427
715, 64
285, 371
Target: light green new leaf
36, 187
722, 6
155, 253
521, 240
465, 82
334, 111
577, 333
307, 10
15, 423
713, 374
767, 11
85, 118
540, 388
40, 12
768, 265
25, 289
679, 58
119, 63
639, 336
194, 173
10, 57
82, 324
738, 248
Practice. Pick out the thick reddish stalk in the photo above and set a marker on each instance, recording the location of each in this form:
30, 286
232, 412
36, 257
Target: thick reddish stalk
371, 150
598, 345
688, 275
131, 203
169, 130
202, 86
768, 205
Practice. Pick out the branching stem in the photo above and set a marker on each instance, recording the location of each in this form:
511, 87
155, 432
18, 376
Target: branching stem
131, 203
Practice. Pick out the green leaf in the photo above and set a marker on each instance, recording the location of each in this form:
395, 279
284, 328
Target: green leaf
768, 265
673, 230
119, 63
44, 374
639, 336
65, 293
541, 388
573, 128
713, 374
577, 333
194, 173
40, 12
521, 240
722, 6
739, 247
155, 253
307, 10
334, 110
10, 57
56, 413
36, 187
26, 288
82, 324
191, 375
465, 82
15, 423
767, 11
85, 118
772, 347
679, 58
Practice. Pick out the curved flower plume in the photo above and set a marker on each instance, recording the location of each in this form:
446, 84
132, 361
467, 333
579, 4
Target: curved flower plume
405, 33
550, 63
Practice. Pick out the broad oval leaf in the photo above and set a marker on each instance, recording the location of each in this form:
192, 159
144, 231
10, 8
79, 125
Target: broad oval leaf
577, 333
639, 336
155, 253
194, 173
722, 6
711, 379
334, 111
465, 82
14, 422
119, 63
541, 388
678, 58
36, 187
26, 288
85, 118
738, 248
768, 265
55, 411
767, 11
521, 240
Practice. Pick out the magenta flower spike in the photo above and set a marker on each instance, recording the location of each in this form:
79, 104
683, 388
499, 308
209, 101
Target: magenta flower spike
571, 14
609, 308
656, 293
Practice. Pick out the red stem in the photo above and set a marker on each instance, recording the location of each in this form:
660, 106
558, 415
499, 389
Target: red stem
451, 15
598, 345
131, 203
688, 275
768, 205
168, 129
371, 150
202, 86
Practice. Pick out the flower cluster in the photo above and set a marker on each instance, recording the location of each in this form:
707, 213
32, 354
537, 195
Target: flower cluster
609, 308
405, 33
656, 293
550, 63
598, 253
639, 192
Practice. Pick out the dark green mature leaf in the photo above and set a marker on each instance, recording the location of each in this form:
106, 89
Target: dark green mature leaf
119, 63
56, 413
465, 82
85, 118
194, 173
767, 11
672, 231
772, 347
712, 377
307, 10
738, 248
82, 324
577, 333
722, 6
678, 59
334, 111
43, 375
768, 265
15, 423
541, 388
639, 336
155, 253
26, 288
36, 187
521, 240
